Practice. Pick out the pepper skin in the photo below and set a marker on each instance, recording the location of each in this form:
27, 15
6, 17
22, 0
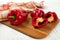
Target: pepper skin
17, 16
37, 12
51, 17
39, 22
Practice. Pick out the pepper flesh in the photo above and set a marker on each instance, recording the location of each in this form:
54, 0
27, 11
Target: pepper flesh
39, 20
17, 17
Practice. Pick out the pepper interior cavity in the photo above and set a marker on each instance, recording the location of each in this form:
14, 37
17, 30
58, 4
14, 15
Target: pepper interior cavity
39, 21
50, 18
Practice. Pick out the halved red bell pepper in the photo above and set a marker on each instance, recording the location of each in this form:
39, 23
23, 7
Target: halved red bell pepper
38, 19
51, 17
39, 22
37, 12
17, 16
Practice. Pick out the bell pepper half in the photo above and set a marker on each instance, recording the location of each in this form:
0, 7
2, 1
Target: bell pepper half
51, 17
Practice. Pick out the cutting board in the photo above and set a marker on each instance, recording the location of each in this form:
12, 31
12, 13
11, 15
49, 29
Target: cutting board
29, 30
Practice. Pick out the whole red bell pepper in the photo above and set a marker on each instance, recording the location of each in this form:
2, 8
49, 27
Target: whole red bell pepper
37, 12
51, 17
17, 16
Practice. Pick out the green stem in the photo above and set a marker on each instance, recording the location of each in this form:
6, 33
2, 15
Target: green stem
13, 17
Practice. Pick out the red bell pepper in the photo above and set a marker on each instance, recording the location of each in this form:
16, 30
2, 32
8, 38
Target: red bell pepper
39, 22
38, 19
51, 17
17, 17
37, 12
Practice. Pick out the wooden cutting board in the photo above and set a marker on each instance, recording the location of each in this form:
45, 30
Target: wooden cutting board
28, 29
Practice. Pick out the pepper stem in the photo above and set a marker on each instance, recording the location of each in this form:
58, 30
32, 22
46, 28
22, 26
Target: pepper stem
13, 17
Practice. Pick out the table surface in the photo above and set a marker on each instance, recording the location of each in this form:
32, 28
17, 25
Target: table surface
7, 33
